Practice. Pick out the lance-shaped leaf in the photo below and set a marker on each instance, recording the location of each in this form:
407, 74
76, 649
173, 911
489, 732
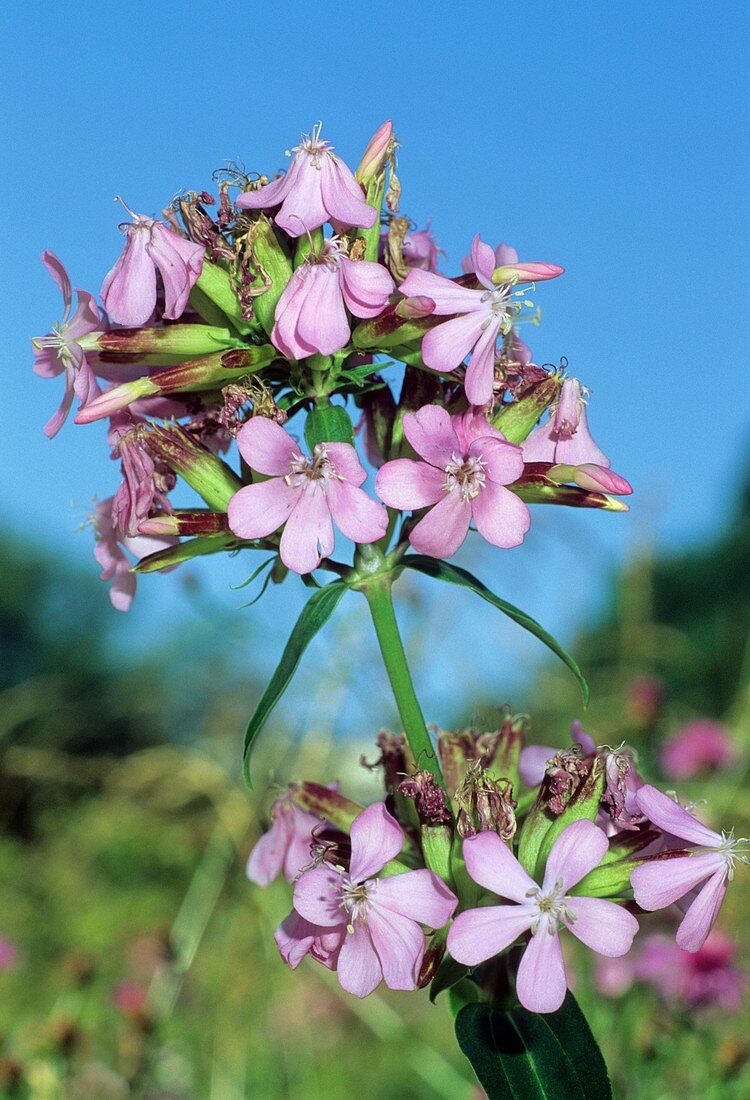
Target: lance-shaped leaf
522, 1055
315, 614
454, 574
185, 551
210, 372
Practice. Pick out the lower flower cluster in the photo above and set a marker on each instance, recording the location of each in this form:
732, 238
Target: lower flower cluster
531, 844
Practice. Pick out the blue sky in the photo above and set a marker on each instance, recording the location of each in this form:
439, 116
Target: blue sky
610, 138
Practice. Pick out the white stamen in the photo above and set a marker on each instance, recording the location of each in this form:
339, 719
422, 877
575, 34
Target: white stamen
467, 475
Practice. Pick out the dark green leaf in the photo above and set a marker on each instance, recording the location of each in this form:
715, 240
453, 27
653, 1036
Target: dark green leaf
453, 574
448, 974
522, 1055
315, 614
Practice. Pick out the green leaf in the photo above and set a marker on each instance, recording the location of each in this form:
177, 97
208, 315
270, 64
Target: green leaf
522, 1055
448, 974
453, 574
328, 424
315, 614
185, 551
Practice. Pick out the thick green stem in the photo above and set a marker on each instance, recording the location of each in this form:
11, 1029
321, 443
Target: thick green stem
378, 594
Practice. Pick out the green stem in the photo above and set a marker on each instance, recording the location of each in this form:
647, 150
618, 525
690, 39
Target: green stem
378, 594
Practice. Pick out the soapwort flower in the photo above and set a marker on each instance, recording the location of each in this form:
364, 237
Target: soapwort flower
286, 846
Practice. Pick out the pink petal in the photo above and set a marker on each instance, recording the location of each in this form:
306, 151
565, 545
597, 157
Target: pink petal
86, 317
308, 534
400, 945
503, 460
602, 925
539, 446
479, 934
505, 254
272, 194
317, 896
419, 895
342, 195
541, 983
532, 763
294, 937
302, 210
359, 968
266, 446
482, 260
430, 432
580, 448
376, 838
177, 275
366, 286
531, 271
344, 458
701, 916
480, 374
491, 863
284, 334
122, 590
60, 275
600, 479
322, 323
660, 882
129, 290
501, 517
579, 848
448, 296
660, 809
442, 531
258, 510
357, 516
299, 847
446, 346
56, 421
408, 485
267, 857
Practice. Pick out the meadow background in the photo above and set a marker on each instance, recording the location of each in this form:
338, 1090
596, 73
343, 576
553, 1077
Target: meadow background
135, 958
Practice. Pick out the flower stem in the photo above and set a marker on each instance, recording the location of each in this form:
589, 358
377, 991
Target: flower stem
378, 594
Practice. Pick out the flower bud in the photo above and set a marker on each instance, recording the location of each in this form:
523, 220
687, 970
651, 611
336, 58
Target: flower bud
517, 419
504, 750
185, 523
389, 330
327, 803
160, 345
526, 273
203, 471
485, 804
375, 156
535, 487
271, 263
591, 477
328, 424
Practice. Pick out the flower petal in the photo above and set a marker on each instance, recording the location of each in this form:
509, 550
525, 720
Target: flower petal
602, 925
376, 837
345, 459
366, 286
579, 848
357, 516
503, 461
129, 289
532, 763
267, 857
419, 895
479, 934
482, 260
662, 881
317, 896
342, 196
400, 945
408, 485
322, 322
442, 531
60, 275
266, 446
660, 809
501, 517
294, 938
491, 863
701, 916
359, 968
272, 194
302, 209
449, 297
431, 434
541, 982
308, 534
480, 373
446, 346
257, 510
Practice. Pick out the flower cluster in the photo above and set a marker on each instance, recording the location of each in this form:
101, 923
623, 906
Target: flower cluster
298, 300
369, 904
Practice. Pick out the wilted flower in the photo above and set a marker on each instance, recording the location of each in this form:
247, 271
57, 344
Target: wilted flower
110, 551
699, 746
286, 846
420, 249
479, 934
305, 495
466, 465
317, 188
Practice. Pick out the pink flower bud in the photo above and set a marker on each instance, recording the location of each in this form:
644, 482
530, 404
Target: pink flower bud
376, 154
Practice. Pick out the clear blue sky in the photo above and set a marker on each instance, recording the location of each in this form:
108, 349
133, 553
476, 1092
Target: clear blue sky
611, 138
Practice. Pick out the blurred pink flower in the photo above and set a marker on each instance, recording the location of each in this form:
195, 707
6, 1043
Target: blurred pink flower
130, 998
129, 289
645, 699
466, 464
286, 846
375, 921
317, 188
480, 934
305, 495
9, 955
614, 977
60, 352
700, 746
311, 316
666, 878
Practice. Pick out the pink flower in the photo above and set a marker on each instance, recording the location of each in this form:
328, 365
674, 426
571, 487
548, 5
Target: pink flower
144, 486
479, 316
699, 746
286, 846
9, 955
60, 350
129, 290
479, 934
317, 188
420, 250
296, 937
305, 495
311, 313
466, 465
565, 437
110, 551
706, 977
664, 879
375, 921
